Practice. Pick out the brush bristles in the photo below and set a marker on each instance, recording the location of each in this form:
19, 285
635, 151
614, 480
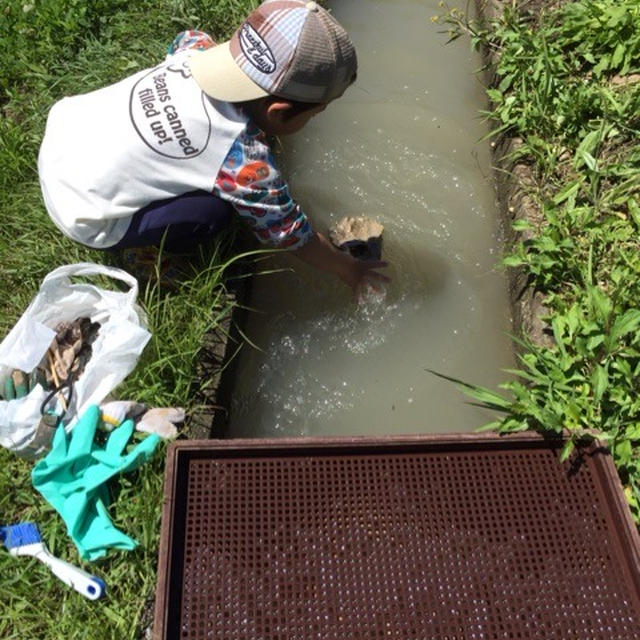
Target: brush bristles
18, 535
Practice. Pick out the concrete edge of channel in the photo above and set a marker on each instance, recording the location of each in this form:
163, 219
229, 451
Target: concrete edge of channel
217, 362
514, 185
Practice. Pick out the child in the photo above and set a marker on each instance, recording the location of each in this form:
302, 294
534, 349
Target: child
174, 147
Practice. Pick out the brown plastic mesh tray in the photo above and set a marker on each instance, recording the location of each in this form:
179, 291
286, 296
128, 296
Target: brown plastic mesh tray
418, 538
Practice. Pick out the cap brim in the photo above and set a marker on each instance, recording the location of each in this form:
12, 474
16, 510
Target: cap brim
218, 75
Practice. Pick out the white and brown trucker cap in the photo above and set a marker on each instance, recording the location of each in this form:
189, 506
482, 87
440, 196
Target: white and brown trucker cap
289, 48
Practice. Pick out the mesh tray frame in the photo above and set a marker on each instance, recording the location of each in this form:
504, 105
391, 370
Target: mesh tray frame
459, 537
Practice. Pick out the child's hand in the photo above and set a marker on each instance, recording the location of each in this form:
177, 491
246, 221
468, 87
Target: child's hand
367, 284
360, 275
372, 288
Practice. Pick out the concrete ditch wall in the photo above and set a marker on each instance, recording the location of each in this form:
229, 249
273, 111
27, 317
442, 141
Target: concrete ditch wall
515, 184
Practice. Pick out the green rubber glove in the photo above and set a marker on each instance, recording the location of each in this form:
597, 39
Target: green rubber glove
73, 479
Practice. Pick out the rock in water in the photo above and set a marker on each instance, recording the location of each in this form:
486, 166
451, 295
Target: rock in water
360, 236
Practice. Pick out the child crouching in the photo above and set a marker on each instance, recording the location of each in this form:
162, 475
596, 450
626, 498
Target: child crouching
171, 151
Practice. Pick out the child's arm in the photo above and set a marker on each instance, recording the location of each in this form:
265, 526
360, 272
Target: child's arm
251, 182
357, 274
190, 40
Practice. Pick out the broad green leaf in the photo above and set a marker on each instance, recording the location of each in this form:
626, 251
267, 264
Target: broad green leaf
616, 15
513, 261
590, 142
634, 211
624, 368
618, 54
587, 159
557, 325
623, 452
573, 318
631, 499
567, 450
494, 95
633, 432
627, 63
516, 426
490, 426
628, 322
599, 382
568, 191
505, 83
522, 225
601, 304
602, 65
574, 412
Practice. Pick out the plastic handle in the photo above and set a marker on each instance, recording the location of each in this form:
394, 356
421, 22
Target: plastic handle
92, 269
89, 586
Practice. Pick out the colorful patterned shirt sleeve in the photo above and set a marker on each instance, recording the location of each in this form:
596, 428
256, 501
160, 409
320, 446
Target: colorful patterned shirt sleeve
250, 180
190, 40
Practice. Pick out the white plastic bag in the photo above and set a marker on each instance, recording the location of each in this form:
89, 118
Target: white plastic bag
121, 338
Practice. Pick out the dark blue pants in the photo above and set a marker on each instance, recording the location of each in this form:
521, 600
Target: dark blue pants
184, 222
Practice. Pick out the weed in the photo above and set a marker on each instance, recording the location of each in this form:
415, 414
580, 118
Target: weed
564, 86
48, 49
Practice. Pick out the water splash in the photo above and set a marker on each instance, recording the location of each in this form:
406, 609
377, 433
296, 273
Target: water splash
294, 387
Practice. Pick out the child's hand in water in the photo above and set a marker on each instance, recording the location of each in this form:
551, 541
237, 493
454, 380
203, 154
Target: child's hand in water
370, 285
360, 275
371, 291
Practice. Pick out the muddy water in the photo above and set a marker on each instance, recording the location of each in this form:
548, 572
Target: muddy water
401, 146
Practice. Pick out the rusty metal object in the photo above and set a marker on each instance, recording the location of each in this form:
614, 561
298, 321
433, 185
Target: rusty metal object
415, 537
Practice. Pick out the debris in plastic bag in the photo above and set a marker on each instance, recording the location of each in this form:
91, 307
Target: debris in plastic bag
64, 361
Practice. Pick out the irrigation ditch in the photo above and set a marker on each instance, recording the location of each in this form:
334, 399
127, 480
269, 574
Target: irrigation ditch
512, 183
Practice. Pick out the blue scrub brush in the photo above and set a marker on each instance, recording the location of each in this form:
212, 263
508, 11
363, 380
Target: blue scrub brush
24, 540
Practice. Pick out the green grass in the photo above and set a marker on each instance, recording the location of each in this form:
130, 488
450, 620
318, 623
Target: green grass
555, 90
48, 49
567, 86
